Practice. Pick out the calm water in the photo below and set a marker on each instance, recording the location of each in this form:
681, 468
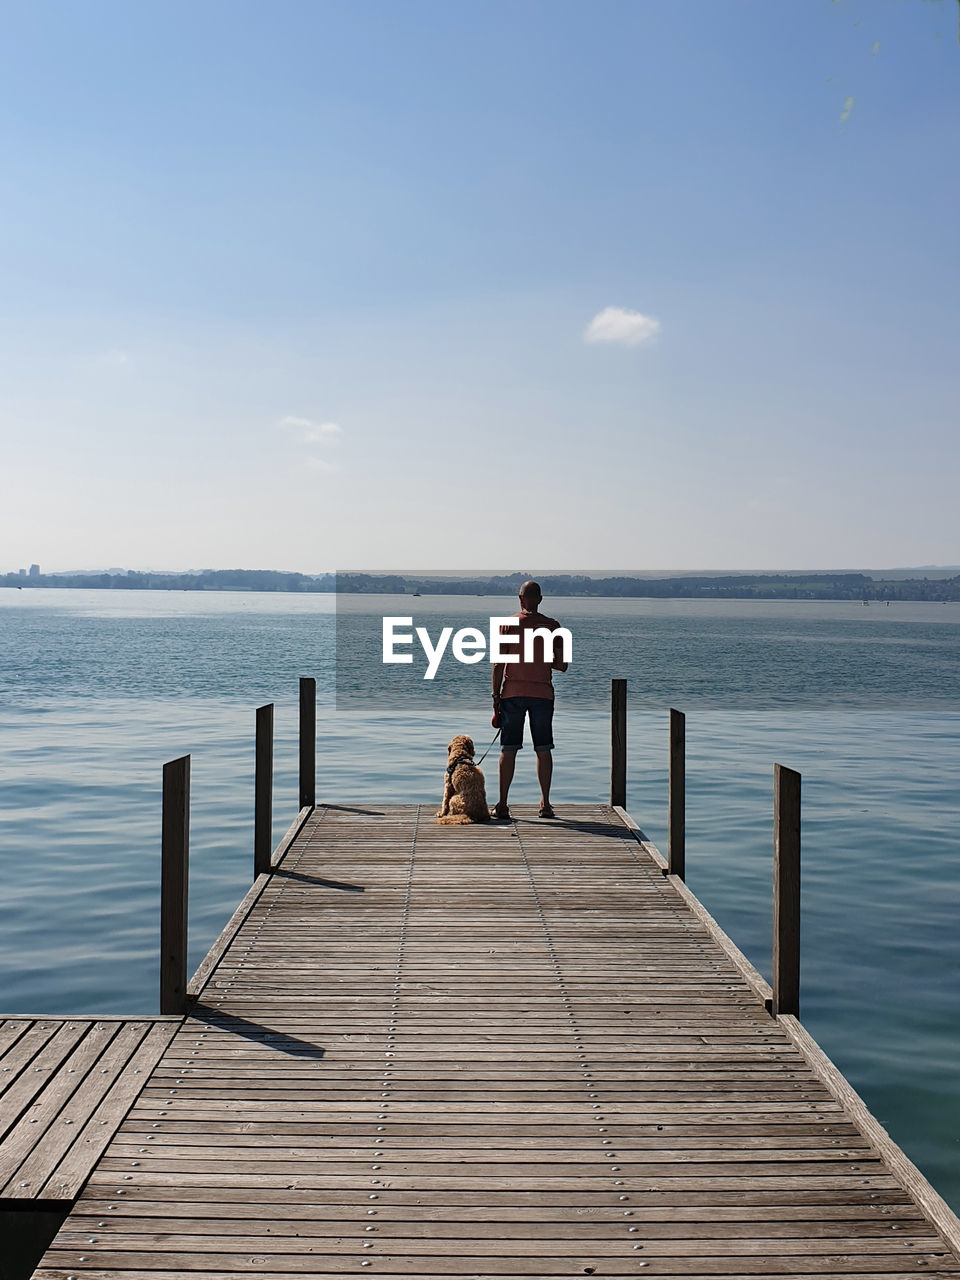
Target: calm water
97, 689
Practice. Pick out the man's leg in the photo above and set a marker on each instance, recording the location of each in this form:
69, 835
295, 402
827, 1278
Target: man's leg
511, 741
541, 729
544, 777
508, 763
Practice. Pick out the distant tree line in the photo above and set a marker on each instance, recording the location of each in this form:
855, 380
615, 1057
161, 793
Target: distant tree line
767, 586
779, 586
208, 580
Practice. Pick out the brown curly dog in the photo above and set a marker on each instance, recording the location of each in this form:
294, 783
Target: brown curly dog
464, 795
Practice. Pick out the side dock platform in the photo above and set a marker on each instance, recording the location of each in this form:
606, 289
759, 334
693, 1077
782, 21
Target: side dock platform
510, 1049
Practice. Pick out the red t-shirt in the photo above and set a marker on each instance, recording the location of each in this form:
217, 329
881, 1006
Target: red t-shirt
529, 679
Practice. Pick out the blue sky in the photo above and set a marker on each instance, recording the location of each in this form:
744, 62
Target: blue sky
308, 285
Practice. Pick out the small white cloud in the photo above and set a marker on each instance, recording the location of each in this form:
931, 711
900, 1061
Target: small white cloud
311, 432
316, 435
617, 324
323, 433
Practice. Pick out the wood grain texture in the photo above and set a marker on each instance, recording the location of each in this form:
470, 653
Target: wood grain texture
68, 1088
516, 1049
229, 930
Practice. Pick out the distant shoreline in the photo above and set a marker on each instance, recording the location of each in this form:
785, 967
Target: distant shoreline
760, 586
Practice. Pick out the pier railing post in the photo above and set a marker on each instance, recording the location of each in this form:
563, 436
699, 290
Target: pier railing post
786, 891
676, 802
308, 742
174, 866
618, 743
263, 792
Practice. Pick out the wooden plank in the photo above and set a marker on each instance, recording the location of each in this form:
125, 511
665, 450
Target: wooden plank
16, 1060
416, 1221
546, 1242
158, 1263
11, 1029
294, 1200
665, 1217
442, 1274
560, 1271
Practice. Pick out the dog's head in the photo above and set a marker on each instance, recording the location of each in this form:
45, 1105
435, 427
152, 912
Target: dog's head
461, 745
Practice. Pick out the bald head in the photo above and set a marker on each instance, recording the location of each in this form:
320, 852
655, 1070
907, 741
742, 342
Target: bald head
530, 595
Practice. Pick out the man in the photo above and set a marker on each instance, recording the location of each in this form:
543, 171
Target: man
527, 690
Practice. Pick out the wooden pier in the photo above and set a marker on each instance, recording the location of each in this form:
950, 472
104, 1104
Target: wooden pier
512, 1049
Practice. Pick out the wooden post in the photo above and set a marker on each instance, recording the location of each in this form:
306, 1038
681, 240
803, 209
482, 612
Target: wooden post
174, 865
308, 742
263, 792
676, 802
618, 743
786, 891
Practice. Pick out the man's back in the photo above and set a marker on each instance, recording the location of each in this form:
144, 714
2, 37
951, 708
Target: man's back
529, 679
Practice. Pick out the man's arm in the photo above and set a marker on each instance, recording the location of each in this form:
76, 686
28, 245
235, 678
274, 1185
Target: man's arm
558, 663
497, 679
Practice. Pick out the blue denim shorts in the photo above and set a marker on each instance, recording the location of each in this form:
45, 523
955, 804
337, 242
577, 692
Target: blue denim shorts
512, 712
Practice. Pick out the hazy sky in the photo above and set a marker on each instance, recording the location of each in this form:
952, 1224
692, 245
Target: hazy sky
303, 285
